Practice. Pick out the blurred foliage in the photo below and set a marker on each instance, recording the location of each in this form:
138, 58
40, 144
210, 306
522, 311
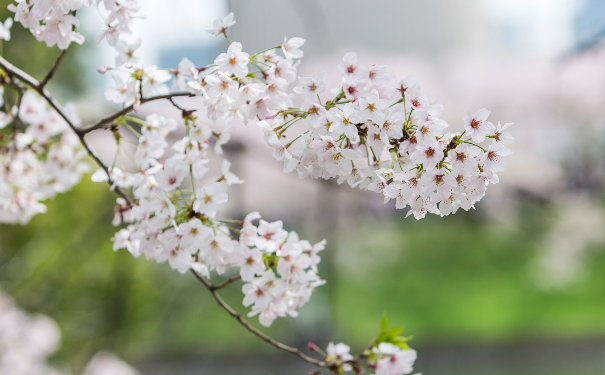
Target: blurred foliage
67, 83
455, 280
469, 283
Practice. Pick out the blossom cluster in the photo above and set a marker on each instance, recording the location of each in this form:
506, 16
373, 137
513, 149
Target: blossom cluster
173, 218
375, 132
383, 135
386, 358
26, 342
369, 115
294, 260
54, 22
39, 157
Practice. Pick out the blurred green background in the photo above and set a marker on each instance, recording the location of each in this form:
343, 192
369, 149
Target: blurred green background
452, 282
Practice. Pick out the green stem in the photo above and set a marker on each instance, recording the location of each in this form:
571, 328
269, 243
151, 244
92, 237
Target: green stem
290, 143
268, 49
476, 145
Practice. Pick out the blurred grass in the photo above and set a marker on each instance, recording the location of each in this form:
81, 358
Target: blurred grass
458, 281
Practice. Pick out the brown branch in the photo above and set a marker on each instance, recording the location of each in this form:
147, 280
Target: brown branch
249, 327
177, 106
12, 71
17, 86
18, 114
109, 119
52, 70
225, 283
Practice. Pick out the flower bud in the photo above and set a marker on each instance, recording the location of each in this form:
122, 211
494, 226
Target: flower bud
311, 347
102, 69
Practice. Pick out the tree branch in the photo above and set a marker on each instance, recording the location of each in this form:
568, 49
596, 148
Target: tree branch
52, 70
104, 121
249, 327
18, 114
225, 283
13, 71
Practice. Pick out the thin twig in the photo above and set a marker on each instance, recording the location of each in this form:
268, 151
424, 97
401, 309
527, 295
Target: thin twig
109, 119
226, 282
52, 70
177, 106
253, 330
17, 115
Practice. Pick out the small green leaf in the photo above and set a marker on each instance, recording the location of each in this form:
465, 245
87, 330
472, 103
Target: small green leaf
384, 323
391, 335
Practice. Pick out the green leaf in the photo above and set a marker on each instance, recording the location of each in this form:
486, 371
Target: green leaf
391, 335
402, 342
384, 323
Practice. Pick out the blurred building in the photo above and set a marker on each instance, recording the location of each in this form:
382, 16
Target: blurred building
431, 28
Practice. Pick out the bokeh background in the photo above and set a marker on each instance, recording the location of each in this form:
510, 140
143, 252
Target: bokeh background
515, 287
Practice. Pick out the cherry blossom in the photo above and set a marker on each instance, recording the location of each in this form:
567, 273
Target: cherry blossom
477, 126
27, 341
291, 47
5, 29
234, 61
221, 26
395, 361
